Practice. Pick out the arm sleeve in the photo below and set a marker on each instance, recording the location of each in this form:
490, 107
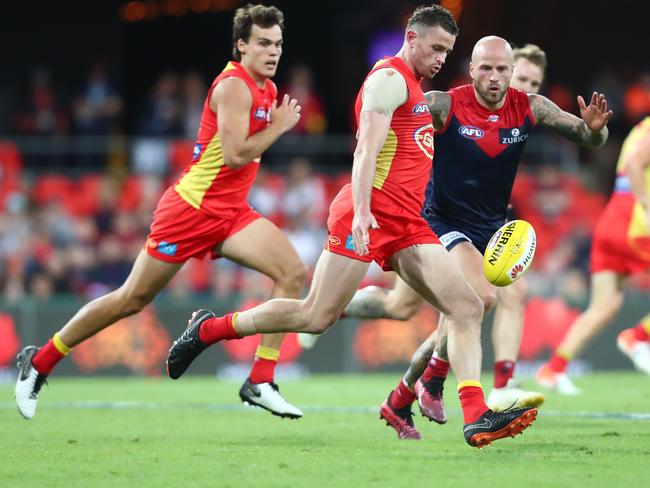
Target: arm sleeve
384, 91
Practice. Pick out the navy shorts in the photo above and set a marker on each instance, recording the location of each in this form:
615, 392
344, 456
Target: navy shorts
451, 235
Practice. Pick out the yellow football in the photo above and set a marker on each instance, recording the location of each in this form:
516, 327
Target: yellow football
509, 253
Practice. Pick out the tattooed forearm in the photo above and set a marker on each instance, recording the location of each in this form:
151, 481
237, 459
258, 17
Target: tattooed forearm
565, 124
439, 106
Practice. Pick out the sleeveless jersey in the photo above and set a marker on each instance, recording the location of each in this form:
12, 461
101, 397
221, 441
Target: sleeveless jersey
477, 156
638, 231
404, 162
207, 183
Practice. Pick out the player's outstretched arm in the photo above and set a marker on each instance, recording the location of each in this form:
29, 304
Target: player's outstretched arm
439, 106
231, 100
590, 131
373, 130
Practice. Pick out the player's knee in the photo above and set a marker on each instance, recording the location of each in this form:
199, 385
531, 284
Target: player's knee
515, 294
293, 280
489, 299
469, 311
134, 301
321, 321
608, 309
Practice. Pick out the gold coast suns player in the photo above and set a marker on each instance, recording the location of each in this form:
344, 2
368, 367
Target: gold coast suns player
620, 248
205, 212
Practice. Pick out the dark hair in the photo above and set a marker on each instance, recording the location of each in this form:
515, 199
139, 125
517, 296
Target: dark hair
246, 17
431, 16
532, 53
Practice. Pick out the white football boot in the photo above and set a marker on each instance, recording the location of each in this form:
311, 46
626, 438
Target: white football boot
307, 341
512, 396
558, 382
267, 396
637, 351
28, 384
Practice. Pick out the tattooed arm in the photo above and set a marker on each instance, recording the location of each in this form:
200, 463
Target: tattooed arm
590, 131
439, 106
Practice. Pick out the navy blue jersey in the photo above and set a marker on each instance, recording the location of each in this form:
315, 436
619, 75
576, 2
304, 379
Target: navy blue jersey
476, 159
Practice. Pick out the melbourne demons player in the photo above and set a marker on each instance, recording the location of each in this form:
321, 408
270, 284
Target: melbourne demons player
378, 217
205, 212
481, 130
620, 248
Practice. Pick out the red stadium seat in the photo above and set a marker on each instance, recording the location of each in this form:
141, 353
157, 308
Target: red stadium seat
180, 155
49, 188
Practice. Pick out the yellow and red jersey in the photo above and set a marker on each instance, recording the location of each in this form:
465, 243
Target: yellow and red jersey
207, 184
622, 238
404, 162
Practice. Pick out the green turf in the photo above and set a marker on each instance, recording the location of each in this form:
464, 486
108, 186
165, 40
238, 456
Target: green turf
194, 433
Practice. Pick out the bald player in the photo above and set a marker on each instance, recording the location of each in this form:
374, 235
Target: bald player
481, 130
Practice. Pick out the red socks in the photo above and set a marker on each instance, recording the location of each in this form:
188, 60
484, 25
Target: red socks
263, 371
503, 371
402, 396
641, 333
218, 328
471, 400
437, 367
49, 355
558, 362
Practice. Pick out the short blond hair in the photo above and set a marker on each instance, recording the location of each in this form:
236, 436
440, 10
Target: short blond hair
532, 53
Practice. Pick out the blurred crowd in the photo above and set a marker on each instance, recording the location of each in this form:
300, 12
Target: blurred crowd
79, 233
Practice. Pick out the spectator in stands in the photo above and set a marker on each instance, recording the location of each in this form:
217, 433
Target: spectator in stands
98, 107
304, 192
41, 112
193, 97
637, 99
300, 85
163, 115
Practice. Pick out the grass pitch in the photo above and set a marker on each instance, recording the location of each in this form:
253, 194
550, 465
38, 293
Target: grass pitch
154, 432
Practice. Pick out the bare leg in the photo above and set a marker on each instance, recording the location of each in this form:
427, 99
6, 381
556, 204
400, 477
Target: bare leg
336, 278
606, 300
452, 296
509, 321
148, 276
373, 302
265, 248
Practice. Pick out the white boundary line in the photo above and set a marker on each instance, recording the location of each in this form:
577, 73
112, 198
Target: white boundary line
224, 407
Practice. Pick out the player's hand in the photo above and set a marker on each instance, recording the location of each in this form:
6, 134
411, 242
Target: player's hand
595, 114
287, 114
361, 224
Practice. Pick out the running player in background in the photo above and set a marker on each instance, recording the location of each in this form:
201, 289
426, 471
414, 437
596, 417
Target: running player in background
378, 217
482, 132
620, 248
205, 212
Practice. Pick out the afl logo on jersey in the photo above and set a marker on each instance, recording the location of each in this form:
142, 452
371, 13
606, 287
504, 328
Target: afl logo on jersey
421, 109
260, 114
424, 139
470, 132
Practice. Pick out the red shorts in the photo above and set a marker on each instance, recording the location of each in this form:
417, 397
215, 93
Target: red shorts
179, 231
612, 249
398, 229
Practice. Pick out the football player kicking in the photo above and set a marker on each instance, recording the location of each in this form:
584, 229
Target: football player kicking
378, 217
205, 212
620, 248
481, 130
